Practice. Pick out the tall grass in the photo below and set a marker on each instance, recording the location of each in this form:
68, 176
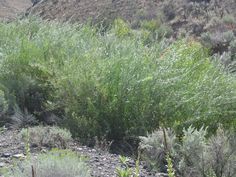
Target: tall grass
112, 85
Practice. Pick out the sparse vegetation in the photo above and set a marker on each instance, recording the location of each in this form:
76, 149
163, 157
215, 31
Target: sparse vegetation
51, 137
192, 154
60, 163
3, 107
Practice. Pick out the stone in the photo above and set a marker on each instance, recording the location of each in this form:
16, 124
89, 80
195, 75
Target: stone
19, 156
6, 155
2, 164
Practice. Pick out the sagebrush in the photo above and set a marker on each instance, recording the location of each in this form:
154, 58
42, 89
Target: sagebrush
58, 163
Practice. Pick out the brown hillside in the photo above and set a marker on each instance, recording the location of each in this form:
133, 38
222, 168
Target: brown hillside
9, 9
95, 10
211, 21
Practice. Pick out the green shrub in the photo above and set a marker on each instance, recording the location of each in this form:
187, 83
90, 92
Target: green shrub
121, 28
3, 103
26, 80
112, 86
151, 25
3, 108
55, 163
155, 30
46, 137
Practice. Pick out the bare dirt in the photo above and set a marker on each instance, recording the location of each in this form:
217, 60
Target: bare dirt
95, 10
101, 163
10, 9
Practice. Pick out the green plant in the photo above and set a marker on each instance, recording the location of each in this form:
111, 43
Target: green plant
27, 82
137, 163
110, 86
3, 103
27, 143
58, 163
126, 171
46, 136
3, 107
151, 25
170, 169
121, 28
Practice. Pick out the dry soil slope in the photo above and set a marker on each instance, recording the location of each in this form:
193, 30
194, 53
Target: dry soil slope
9, 9
188, 15
94, 10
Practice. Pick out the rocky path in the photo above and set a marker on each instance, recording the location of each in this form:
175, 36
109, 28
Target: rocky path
102, 164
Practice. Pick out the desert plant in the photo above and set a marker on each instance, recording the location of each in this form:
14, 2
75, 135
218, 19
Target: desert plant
58, 163
22, 119
222, 154
170, 169
3, 107
153, 148
194, 154
3, 103
125, 171
46, 136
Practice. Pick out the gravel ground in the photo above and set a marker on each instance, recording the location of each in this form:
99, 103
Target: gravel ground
102, 164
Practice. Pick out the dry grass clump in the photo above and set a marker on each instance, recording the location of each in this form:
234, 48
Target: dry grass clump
51, 137
57, 163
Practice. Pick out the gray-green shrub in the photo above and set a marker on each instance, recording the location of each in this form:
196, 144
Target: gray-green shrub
22, 119
193, 154
52, 137
153, 148
3, 108
57, 163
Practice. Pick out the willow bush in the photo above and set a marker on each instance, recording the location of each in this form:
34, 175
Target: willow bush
109, 85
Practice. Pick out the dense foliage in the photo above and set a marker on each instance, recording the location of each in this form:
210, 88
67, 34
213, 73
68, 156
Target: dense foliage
112, 84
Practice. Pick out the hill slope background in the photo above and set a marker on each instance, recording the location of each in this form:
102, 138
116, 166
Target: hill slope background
9, 9
213, 22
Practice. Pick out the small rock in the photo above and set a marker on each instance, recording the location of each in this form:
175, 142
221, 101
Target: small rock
6, 155
2, 164
18, 156
44, 150
162, 175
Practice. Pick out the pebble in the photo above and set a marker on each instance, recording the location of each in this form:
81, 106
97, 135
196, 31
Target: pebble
18, 156
6, 155
2, 164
